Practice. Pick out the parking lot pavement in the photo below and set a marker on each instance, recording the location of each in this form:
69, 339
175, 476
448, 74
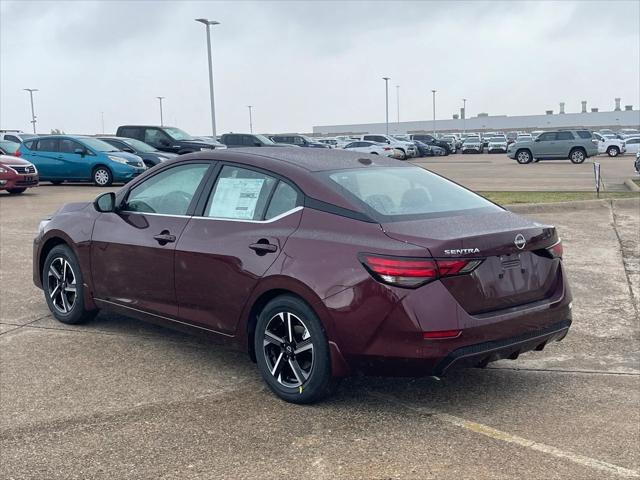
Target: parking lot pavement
496, 171
118, 398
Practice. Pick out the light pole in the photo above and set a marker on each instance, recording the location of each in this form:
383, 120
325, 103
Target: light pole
386, 97
250, 119
434, 112
33, 115
102, 121
464, 116
398, 104
208, 24
161, 119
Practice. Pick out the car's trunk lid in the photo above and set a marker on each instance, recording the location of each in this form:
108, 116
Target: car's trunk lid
516, 267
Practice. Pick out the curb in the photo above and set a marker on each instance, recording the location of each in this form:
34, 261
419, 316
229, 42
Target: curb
631, 185
571, 205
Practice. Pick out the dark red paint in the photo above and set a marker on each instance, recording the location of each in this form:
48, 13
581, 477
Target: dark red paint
210, 281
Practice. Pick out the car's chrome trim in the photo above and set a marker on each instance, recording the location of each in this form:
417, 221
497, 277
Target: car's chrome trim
271, 220
157, 214
162, 317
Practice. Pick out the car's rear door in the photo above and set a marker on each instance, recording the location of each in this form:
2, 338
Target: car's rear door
45, 156
133, 249
242, 228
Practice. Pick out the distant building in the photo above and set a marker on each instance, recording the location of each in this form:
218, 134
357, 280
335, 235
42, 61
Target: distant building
591, 120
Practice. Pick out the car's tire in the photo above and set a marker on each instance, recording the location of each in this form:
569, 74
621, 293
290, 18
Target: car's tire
613, 151
63, 286
577, 155
523, 156
57, 182
285, 326
374, 153
15, 191
102, 176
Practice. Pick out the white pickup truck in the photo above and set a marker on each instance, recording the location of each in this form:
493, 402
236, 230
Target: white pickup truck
611, 146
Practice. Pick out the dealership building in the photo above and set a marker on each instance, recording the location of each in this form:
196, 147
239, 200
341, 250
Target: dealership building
592, 120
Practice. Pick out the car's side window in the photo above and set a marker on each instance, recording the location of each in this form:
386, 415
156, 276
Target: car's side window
169, 192
47, 145
565, 136
69, 146
298, 141
285, 198
12, 138
240, 194
547, 137
153, 136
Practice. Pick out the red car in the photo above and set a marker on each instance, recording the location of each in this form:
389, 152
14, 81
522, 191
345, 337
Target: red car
16, 175
318, 263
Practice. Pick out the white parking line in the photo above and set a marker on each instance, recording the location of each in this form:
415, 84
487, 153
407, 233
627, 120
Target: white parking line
523, 442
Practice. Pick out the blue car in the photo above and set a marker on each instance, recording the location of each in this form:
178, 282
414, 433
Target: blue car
60, 158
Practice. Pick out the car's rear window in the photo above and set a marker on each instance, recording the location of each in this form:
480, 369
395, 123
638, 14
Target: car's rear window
584, 134
406, 193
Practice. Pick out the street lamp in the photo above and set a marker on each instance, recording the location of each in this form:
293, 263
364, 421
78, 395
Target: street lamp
208, 24
464, 115
102, 121
161, 119
398, 104
386, 97
33, 115
434, 112
250, 119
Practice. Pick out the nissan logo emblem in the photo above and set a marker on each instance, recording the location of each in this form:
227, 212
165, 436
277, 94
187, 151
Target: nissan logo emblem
520, 242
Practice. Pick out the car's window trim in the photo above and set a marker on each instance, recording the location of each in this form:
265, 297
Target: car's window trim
271, 220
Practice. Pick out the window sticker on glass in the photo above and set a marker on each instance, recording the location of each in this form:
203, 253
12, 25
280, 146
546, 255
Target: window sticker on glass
236, 198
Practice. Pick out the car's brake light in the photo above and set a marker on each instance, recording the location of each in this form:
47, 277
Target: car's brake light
412, 272
556, 249
387, 148
17, 153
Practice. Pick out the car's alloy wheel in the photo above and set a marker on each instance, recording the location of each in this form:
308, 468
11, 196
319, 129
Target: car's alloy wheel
102, 177
288, 349
577, 156
292, 351
523, 157
61, 285
613, 151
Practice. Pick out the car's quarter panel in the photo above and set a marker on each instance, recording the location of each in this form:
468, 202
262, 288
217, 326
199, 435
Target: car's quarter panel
216, 268
129, 266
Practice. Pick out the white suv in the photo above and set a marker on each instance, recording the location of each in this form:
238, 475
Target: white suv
17, 136
407, 148
611, 146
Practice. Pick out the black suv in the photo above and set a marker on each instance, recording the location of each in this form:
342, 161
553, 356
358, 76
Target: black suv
166, 139
299, 140
237, 140
431, 140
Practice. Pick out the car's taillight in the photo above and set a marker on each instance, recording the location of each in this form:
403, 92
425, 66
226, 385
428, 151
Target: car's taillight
412, 272
556, 249
387, 148
17, 154
441, 334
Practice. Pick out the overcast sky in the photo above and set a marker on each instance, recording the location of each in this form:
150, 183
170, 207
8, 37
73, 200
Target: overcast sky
309, 63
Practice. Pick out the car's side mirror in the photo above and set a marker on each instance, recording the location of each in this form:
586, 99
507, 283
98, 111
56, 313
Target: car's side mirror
164, 142
80, 151
389, 142
537, 140
105, 203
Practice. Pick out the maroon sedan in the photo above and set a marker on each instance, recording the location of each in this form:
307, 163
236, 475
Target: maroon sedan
318, 263
16, 175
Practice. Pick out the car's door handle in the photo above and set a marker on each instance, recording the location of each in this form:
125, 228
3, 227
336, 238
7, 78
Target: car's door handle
263, 247
164, 237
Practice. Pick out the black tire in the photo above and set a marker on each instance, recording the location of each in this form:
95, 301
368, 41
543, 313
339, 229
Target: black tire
523, 156
15, 191
62, 283
102, 176
57, 182
313, 380
577, 155
613, 151
374, 153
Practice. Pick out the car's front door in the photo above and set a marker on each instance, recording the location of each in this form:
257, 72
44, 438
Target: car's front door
77, 166
132, 250
223, 252
545, 145
160, 140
